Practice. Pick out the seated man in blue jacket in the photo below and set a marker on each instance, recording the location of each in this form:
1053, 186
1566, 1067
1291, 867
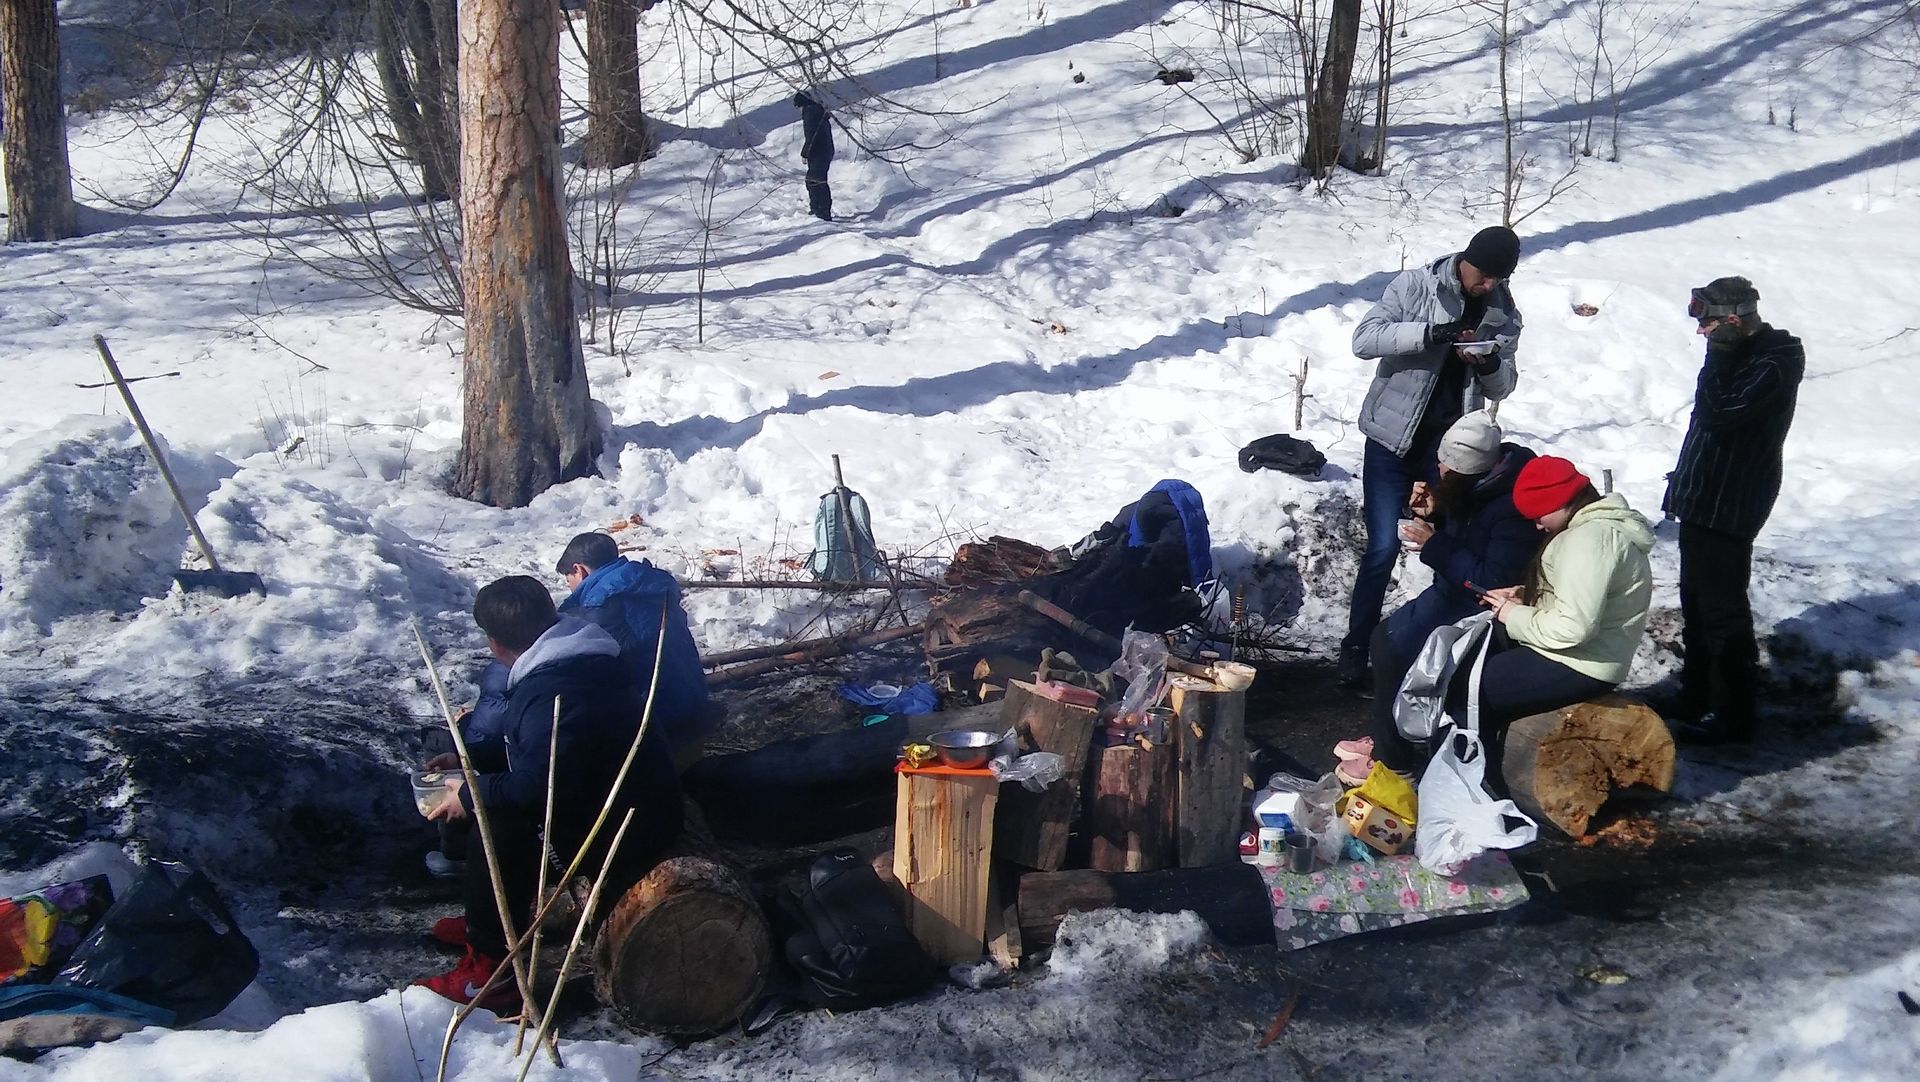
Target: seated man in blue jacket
1467, 530
626, 598
550, 658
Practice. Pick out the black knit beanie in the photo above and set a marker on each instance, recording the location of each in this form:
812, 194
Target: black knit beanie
1494, 251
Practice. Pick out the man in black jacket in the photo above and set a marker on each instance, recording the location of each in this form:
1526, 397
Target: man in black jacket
816, 149
550, 658
1722, 492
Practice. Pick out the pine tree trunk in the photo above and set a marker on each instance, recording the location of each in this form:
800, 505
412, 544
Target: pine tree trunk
617, 131
528, 422
415, 53
39, 186
1327, 109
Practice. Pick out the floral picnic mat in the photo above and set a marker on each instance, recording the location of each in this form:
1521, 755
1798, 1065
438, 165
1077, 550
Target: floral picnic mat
1353, 897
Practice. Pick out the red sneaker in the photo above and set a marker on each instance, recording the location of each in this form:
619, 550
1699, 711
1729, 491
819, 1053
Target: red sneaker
463, 982
452, 931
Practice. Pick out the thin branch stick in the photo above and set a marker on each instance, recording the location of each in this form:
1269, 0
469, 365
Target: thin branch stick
573, 946
579, 857
546, 855
782, 584
822, 649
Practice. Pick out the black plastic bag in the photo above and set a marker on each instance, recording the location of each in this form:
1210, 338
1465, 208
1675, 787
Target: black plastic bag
169, 942
848, 944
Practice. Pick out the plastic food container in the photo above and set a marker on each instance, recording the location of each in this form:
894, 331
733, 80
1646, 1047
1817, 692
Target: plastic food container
430, 787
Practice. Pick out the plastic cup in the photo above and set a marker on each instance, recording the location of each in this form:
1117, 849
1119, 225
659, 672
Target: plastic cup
429, 788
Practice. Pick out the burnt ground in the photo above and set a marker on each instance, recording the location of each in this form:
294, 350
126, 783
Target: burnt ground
1702, 911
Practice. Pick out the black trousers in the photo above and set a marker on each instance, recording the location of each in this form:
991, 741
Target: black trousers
1721, 662
1518, 682
517, 846
819, 196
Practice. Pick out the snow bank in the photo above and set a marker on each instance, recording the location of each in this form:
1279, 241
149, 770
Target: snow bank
86, 525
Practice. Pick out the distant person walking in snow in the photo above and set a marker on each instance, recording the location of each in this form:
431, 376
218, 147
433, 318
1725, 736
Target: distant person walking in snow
816, 149
1445, 335
1722, 492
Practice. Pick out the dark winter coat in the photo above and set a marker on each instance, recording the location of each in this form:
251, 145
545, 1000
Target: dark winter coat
1730, 462
1491, 546
599, 715
625, 598
816, 131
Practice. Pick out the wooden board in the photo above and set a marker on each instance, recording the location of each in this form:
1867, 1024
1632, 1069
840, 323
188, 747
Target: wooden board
1031, 829
1210, 745
1130, 815
1231, 898
942, 849
685, 951
1561, 766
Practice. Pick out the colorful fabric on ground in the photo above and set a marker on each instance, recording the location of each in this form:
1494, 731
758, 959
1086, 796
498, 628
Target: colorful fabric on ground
38, 930
1349, 898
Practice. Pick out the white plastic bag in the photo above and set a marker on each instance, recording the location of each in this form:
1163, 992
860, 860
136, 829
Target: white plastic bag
1459, 819
1034, 771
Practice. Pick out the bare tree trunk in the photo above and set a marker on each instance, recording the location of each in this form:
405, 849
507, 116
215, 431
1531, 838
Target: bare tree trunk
617, 131
415, 53
528, 422
1327, 109
39, 184
1510, 179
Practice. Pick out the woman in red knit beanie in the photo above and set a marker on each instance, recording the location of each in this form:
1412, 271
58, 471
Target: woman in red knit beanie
1571, 632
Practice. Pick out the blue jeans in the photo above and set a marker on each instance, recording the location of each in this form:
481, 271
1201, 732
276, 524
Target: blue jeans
1386, 481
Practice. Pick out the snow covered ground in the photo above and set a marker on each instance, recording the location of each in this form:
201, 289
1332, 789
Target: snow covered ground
1009, 333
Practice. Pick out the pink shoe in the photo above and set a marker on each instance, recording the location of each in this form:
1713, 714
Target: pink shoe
1353, 772
1349, 751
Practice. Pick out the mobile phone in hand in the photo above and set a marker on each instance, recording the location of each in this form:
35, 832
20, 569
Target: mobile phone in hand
1475, 589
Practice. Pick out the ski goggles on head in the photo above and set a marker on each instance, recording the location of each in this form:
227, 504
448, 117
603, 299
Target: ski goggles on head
1702, 309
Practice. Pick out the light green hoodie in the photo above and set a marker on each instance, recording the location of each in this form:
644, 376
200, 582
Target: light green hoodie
1595, 586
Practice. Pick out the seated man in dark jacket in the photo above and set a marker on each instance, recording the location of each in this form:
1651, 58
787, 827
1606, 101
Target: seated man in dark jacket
626, 598
1467, 531
550, 657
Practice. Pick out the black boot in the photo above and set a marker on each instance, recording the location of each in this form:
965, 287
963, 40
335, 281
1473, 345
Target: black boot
1350, 672
1709, 729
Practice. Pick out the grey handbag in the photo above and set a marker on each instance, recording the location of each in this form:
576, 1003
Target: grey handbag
1420, 706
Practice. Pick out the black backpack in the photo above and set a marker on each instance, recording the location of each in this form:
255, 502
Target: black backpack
1283, 453
846, 940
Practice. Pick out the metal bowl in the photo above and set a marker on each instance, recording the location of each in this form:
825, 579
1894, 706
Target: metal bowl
964, 749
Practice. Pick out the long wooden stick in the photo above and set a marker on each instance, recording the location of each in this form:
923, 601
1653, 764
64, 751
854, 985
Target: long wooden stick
546, 855
820, 651
153, 451
1098, 637
573, 945
579, 857
826, 585
481, 820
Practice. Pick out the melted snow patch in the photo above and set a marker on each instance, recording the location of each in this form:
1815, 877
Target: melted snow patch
1111, 942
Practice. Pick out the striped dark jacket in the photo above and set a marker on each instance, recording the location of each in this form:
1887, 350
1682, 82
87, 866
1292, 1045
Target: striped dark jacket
1729, 471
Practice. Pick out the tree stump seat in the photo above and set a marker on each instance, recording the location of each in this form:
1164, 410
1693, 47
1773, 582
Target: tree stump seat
1561, 766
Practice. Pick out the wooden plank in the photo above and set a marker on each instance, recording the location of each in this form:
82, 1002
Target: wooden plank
942, 849
1210, 745
1031, 828
1130, 817
1231, 898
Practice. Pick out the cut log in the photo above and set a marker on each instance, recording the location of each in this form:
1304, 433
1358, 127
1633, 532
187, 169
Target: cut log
1561, 766
1030, 829
942, 849
1230, 898
1131, 815
1210, 746
685, 952
995, 560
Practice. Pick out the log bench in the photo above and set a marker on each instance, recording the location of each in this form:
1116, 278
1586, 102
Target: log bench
1561, 766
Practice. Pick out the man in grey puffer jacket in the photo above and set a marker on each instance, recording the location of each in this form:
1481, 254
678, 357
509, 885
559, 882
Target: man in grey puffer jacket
1446, 335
